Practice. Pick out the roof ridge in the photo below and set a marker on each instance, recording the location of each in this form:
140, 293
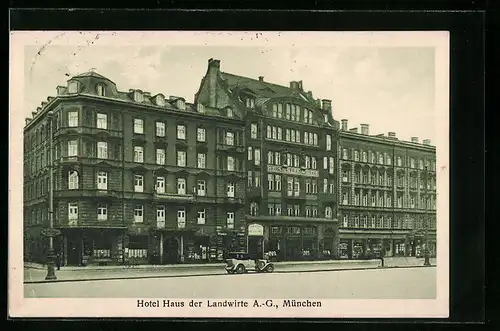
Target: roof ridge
256, 80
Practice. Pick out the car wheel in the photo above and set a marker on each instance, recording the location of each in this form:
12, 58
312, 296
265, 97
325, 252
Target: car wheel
270, 268
240, 269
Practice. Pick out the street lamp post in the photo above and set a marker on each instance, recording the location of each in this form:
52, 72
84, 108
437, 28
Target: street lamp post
426, 231
51, 275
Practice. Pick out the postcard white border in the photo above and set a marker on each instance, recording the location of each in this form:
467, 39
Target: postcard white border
21, 307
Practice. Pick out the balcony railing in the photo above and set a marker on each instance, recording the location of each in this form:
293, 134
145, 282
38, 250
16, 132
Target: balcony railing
89, 131
234, 148
174, 196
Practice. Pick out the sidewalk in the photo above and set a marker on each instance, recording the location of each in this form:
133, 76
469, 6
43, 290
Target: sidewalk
35, 273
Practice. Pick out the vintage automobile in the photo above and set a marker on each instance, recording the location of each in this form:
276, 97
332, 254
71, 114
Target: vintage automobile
239, 263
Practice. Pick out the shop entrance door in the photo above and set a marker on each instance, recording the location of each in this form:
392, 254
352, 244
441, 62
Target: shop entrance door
170, 251
74, 251
255, 248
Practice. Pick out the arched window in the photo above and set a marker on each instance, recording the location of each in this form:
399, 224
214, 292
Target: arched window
72, 180
101, 90
328, 212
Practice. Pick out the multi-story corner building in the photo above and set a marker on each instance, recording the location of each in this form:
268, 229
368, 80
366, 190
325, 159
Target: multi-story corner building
290, 142
387, 194
135, 175
250, 165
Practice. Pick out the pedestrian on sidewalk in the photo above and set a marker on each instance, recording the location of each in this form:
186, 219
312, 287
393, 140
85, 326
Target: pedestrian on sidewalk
58, 261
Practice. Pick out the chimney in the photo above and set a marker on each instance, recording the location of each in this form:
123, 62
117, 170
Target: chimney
426, 142
391, 134
344, 125
213, 72
299, 85
365, 129
414, 140
318, 103
261, 78
310, 94
294, 85
355, 130
326, 105
60, 90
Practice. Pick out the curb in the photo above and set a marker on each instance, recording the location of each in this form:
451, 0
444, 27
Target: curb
214, 274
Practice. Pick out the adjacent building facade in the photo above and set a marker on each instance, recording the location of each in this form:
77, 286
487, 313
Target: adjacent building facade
387, 194
249, 165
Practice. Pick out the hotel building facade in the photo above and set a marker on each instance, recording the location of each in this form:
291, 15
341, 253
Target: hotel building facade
249, 165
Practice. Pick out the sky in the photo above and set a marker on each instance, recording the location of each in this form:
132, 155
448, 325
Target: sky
389, 88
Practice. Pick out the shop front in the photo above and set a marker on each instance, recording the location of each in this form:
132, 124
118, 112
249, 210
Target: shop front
293, 243
96, 246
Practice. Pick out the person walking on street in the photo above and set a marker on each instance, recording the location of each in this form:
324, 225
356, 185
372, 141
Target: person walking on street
58, 261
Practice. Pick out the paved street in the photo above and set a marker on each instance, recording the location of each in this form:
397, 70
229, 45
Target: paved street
397, 283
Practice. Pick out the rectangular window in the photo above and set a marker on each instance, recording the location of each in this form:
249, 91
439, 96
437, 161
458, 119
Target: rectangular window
277, 209
102, 150
181, 218
160, 129
201, 187
102, 121
202, 160
201, 135
278, 183
160, 156
73, 211
293, 135
308, 186
275, 133
72, 180
253, 131
332, 165
296, 187
72, 118
160, 214
325, 185
181, 186
138, 214
257, 156
290, 186
102, 180
73, 148
277, 158
102, 212
315, 139
230, 190
268, 132
230, 138
160, 185
328, 142
138, 126
270, 209
280, 133
257, 179
181, 158
230, 220
138, 154
250, 178
230, 163
200, 219
306, 138
181, 132
325, 162
138, 183
250, 153
296, 209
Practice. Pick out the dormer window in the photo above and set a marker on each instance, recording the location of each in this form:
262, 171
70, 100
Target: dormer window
138, 96
160, 100
73, 87
229, 112
200, 108
181, 104
250, 103
101, 91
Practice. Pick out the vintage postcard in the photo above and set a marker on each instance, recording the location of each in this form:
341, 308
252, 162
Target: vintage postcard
229, 174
